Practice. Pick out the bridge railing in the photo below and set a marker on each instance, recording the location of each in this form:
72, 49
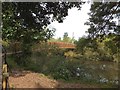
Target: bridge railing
62, 44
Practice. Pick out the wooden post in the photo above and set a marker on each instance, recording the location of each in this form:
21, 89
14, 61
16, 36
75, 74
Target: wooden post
0, 67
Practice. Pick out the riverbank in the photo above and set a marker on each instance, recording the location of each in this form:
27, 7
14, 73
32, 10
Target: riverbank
38, 80
103, 73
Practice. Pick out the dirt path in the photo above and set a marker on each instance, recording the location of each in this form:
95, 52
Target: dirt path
32, 80
35, 80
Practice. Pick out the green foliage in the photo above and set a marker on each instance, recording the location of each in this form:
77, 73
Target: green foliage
116, 58
81, 43
11, 62
4, 43
62, 73
59, 39
23, 22
105, 50
66, 38
90, 54
111, 42
70, 54
101, 19
13, 47
45, 49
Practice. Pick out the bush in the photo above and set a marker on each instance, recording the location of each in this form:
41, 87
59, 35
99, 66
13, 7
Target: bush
116, 58
70, 54
62, 73
11, 62
44, 49
67, 69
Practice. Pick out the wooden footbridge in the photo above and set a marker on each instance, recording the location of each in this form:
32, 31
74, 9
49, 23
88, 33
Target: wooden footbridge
63, 45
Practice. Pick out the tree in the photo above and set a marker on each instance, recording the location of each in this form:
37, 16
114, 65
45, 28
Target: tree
111, 43
66, 38
81, 44
65, 35
59, 39
102, 17
27, 21
102, 23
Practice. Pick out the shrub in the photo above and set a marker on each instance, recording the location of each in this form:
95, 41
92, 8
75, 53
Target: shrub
116, 58
44, 49
11, 62
70, 54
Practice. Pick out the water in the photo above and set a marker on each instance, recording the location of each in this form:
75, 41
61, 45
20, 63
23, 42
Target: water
100, 71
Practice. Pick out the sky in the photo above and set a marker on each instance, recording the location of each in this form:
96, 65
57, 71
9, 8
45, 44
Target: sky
73, 23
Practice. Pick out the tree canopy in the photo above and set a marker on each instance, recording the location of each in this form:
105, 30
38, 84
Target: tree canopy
102, 17
28, 21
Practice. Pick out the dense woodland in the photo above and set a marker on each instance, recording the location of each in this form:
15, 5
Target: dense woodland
24, 29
